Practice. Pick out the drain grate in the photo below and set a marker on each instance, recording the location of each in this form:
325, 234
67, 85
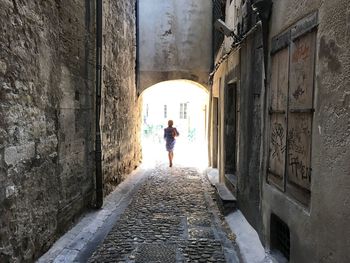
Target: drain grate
156, 253
280, 236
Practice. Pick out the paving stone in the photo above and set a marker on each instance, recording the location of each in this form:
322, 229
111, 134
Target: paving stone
168, 220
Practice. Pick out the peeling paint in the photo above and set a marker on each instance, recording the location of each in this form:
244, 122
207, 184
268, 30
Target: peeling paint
329, 52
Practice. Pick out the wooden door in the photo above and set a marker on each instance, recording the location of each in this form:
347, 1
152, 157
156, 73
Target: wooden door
230, 128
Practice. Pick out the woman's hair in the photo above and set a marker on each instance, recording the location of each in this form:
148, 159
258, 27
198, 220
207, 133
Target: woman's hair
170, 123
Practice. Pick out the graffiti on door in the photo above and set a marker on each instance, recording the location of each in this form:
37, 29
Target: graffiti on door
291, 109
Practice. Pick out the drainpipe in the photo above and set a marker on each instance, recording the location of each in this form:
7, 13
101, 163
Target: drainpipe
98, 151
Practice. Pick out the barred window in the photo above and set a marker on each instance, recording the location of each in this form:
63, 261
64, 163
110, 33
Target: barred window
183, 110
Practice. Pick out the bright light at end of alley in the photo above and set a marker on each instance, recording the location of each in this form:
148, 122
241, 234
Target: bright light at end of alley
186, 103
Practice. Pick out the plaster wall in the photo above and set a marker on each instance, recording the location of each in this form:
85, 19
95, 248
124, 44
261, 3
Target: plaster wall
228, 72
232, 18
174, 40
216, 132
320, 232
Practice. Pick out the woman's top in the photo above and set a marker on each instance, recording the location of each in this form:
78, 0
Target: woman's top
169, 135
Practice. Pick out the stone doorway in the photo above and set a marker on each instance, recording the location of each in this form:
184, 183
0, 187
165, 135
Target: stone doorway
230, 127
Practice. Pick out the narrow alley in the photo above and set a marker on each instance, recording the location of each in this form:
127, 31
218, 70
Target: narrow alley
175, 131
169, 215
170, 219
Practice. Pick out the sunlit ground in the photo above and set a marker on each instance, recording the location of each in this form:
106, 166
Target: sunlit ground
191, 146
185, 153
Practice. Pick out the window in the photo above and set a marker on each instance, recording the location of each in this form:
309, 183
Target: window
165, 111
291, 109
183, 110
219, 7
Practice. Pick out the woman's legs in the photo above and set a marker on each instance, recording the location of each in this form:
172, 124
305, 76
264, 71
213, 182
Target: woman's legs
171, 156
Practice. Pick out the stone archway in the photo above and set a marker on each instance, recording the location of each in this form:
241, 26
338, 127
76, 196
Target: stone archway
186, 103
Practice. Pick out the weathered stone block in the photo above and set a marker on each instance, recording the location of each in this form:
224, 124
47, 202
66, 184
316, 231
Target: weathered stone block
3, 67
15, 154
11, 190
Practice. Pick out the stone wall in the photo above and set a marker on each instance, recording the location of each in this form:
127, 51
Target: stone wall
47, 110
46, 129
120, 118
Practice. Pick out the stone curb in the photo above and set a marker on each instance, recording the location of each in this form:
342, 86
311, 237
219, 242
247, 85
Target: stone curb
250, 248
80, 242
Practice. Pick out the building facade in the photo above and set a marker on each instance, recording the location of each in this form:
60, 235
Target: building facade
48, 115
280, 123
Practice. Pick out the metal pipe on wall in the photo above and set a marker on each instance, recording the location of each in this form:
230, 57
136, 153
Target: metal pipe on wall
98, 144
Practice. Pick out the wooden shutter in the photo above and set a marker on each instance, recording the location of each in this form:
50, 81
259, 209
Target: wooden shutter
278, 117
291, 109
300, 116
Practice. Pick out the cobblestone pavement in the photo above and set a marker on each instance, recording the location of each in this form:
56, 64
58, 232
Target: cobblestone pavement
172, 218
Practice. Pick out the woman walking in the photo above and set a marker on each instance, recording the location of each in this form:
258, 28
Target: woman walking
169, 135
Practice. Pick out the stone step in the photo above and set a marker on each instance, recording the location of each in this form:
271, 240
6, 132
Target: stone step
213, 176
226, 200
231, 183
